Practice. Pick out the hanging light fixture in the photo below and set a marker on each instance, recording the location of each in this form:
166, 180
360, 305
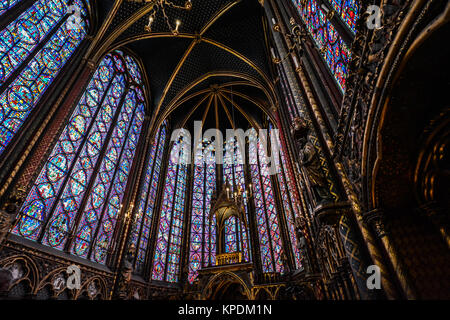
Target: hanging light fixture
161, 5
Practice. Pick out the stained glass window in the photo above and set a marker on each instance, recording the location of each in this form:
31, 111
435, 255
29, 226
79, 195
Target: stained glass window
348, 11
166, 263
236, 234
143, 221
38, 44
5, 5
289, 199
333, 49
79, 191
266, 214
203, 232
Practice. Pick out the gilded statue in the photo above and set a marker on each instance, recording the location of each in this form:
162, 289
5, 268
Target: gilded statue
300, 225
310, 162
126, 272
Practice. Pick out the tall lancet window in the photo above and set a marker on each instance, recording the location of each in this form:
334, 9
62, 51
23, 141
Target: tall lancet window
290, 203
236, 234
33, 49
266, 214
202, 250
76, 200
166, 263
333, 49
143, 221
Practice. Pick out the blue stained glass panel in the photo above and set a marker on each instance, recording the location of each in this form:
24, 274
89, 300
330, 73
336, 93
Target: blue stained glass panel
5, 5
96, 150
69, 204
141, 230
266, 215
103, 242
42, 196
168, 242
333, 49
96, 200
22, 95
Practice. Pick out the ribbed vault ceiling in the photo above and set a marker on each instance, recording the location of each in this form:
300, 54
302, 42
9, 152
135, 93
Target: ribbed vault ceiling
222, 44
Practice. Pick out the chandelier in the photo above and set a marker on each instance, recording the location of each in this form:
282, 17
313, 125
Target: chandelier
161, 5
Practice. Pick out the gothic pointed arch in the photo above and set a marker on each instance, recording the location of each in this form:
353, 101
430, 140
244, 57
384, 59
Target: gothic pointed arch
76, 201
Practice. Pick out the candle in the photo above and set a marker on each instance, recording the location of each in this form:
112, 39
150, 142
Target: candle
295, 62
274, 21
273, 53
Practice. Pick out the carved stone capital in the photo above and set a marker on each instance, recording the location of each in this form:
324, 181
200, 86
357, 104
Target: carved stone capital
331, 213
90, 64
375, 219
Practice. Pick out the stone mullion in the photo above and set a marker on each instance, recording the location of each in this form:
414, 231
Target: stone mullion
337, 22
265, 207
317, 60
171, 221
184, 255
284, 230
128, 198
23, 166
14, 12
203, 211
283, 172
142, 175
124, 221
77, 154
234, 184
94, 171
279, 204
158, 206
116, 169
220, 180
253, 228
31, 55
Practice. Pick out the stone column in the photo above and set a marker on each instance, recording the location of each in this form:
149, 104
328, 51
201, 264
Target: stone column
376, 219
